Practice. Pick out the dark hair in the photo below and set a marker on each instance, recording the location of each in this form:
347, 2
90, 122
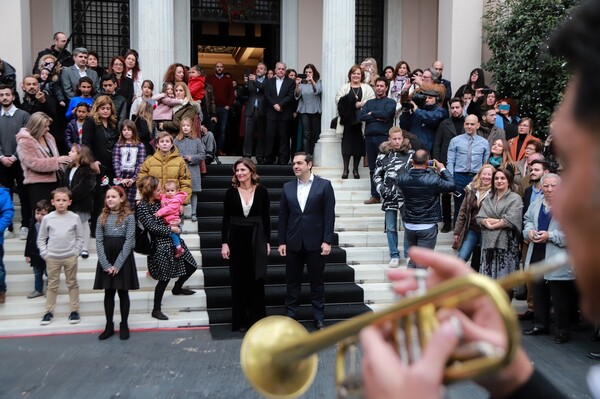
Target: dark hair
514, 108
147, 185
43, 205
124, 209
86, 157
170, 73
391, 68
509, 177
384, 80
316, 74
545, 164
247, 162
149, 82
4, 87
456, 100
61, 190
290, 70
467, 90
421, 157
539, 147
352, 69
112, 62
135, 137
55, 37
136, 68
107, 77
399, 64
578, 42
480, 79
307, 157
85, 79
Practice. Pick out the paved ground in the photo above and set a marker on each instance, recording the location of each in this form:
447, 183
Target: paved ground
195, 364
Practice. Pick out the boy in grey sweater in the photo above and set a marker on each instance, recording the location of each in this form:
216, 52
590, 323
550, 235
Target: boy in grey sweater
60, 241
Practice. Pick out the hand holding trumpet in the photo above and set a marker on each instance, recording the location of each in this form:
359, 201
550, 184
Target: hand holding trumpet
386, 376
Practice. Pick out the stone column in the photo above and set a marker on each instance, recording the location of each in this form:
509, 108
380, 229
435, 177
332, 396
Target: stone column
183, 33
338, 57
460, 41
289, 33
155, 37
15, 48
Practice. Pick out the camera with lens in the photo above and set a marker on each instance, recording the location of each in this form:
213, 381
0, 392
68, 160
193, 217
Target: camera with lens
485, 91
303, 77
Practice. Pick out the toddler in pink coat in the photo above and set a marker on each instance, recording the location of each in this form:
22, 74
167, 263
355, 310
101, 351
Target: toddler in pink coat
171, 207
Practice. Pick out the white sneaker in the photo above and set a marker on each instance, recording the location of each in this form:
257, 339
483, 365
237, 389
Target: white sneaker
24, 232
394, 262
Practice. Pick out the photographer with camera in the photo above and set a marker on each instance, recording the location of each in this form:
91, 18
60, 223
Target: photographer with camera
421, 188
422, 116
308, 94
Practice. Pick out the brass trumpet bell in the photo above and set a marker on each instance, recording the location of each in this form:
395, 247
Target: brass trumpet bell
266, 369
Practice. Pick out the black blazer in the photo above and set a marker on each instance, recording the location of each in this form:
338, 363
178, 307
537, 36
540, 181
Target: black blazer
285, 99
312, 227
31, 248
254, 91
82, 188
445, 133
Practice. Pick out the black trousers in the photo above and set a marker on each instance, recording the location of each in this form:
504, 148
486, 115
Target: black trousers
159, 290
311, 130
562, 295
277, 140
294, 267
255, 125
447, 209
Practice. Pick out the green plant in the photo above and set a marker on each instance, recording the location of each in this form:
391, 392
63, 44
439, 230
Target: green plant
516, 32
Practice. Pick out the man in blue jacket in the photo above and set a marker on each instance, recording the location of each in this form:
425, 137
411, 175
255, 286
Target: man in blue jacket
423, 120
421, 188
378, 114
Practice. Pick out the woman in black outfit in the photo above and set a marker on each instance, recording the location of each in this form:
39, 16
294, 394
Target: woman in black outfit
162, 263
246, 231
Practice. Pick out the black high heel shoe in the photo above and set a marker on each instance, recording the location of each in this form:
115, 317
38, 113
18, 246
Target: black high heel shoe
355, 173
596, 335
345, 174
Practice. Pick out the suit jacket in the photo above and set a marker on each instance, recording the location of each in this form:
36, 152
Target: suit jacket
255, 91
445, 133
312, 227
70, 79
285, 99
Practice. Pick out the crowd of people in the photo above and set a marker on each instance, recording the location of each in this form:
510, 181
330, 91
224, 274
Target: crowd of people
99, 145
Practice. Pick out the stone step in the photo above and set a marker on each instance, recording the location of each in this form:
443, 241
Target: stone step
16, 246
95, 323
16, 263
22, 284
379, 238
19, 307
380, 255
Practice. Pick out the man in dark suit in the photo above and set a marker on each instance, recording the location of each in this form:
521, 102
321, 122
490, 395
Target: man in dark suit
447, 130
254, 111
305, 234
280, 103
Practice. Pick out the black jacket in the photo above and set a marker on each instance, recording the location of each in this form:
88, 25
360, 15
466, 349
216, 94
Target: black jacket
421, 189
82, 189
31, 248
255, 91
445, 132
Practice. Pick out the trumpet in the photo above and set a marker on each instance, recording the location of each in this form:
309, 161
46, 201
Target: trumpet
278, 355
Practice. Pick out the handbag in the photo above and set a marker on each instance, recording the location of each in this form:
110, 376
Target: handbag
143, 240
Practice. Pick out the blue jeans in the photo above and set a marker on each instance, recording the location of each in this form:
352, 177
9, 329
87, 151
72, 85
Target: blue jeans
372, 148
461, 180
469, 243
221, 127
176, 240
421, 238
38, 273
2, 270
391, 230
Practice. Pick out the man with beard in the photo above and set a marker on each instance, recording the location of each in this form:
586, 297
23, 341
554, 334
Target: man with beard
488, 129
36, 100
577, 138
448, 129
255, 112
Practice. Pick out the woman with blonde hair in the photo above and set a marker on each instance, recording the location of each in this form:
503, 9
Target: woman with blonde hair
188, 109
467, 233
43, 167
145, 125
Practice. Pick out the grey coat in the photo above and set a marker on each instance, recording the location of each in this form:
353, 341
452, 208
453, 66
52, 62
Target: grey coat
555, 245
194, 148
510, 209
70, 79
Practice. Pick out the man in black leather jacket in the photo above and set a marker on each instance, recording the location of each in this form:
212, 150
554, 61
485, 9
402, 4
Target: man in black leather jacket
421, 188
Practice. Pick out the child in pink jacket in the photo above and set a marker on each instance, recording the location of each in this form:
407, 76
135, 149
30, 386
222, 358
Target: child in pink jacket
171, 206
165, 101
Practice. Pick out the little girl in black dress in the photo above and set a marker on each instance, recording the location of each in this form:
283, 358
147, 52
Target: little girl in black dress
116, 271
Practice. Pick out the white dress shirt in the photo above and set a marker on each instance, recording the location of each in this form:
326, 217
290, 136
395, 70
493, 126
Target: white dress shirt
303, 190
